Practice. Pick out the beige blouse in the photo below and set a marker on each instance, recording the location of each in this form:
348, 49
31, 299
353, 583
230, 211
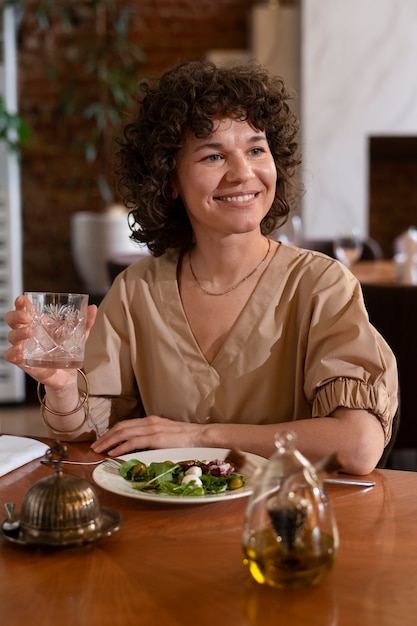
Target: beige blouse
302, 347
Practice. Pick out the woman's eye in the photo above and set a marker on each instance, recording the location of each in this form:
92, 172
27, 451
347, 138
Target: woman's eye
212, 157
257, 151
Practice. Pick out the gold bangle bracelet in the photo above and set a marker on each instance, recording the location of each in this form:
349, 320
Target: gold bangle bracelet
80, 406
63, 432
83, 405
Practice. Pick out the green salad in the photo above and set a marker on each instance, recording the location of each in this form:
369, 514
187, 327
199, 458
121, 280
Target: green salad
184, 478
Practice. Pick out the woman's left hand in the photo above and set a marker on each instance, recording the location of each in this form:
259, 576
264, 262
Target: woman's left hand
149, 432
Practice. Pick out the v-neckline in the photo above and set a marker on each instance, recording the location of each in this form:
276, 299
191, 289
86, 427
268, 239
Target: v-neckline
238, 335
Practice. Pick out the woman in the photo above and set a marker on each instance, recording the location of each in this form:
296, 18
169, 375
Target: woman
223, 336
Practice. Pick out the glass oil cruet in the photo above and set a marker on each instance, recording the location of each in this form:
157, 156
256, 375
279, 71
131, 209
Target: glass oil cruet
290, 536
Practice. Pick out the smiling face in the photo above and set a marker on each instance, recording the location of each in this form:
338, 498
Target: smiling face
227, 180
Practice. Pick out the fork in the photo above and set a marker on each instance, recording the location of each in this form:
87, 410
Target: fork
109, 461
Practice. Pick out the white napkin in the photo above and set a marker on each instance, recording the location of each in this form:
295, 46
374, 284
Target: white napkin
17, 451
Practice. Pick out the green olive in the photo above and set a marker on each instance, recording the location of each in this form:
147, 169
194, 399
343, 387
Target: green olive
138, 470
235, 482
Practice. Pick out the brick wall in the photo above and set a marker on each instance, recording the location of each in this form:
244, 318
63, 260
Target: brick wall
56, 180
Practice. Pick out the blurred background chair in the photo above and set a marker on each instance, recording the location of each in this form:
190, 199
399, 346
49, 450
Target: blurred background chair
387, 458
117, 264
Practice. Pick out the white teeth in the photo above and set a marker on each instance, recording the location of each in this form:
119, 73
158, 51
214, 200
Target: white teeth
245, 198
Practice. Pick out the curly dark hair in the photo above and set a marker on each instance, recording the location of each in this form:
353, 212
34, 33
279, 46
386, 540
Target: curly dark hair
187, 98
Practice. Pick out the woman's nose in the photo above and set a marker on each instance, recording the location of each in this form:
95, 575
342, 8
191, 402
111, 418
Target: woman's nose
238, 169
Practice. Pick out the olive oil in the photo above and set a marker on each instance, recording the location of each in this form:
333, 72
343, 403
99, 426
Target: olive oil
273, 563
290, 536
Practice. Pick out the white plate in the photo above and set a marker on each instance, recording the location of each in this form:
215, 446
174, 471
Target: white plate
110, 479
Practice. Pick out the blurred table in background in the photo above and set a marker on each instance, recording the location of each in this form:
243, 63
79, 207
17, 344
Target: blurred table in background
376, 272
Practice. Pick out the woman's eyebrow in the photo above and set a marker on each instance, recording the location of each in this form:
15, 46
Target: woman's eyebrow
217, 145
213, 145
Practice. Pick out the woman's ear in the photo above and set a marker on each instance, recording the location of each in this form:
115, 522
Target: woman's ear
174, 187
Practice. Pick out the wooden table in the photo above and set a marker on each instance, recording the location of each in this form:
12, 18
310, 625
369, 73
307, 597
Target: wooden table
376, 272
173, 565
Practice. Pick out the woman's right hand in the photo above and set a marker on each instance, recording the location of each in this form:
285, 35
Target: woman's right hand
19, 322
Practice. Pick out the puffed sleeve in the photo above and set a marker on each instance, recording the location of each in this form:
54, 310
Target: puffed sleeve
348, 363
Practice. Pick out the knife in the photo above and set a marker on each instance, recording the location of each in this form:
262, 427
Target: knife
355, 482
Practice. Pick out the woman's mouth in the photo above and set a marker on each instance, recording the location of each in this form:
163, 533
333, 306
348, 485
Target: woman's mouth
241, 198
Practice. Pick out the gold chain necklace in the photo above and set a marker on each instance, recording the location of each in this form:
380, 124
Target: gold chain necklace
236, 285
